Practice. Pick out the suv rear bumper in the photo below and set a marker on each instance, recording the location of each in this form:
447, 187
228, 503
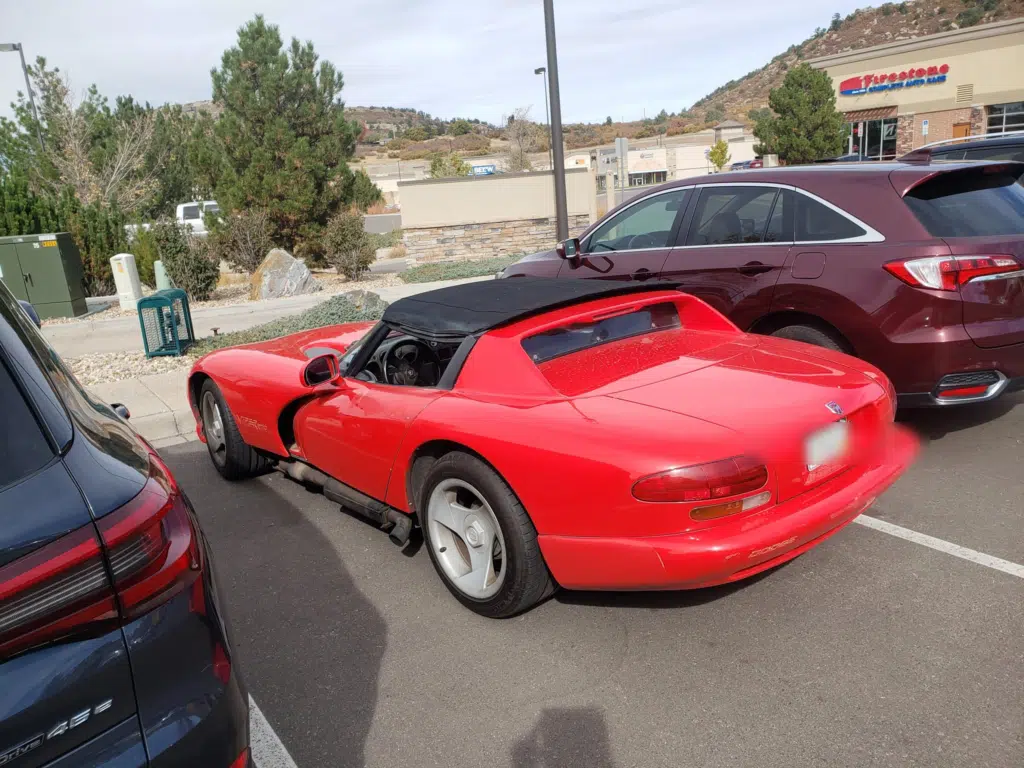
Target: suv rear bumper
916, 369
728, 552
934, 399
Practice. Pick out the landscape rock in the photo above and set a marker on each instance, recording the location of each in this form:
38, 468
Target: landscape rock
366, 302
281, 275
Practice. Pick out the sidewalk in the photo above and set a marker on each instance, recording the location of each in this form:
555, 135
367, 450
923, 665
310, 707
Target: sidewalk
159, 403
123, 335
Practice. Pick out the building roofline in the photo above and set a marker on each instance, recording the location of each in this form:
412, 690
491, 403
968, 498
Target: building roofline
995, 29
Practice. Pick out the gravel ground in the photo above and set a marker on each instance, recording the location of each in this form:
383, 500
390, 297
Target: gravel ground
121, 366
238, 293
118, 366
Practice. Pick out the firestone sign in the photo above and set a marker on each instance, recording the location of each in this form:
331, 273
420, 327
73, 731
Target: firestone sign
907, 78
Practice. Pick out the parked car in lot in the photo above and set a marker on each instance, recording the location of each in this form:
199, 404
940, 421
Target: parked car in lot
543, 433
913, 267
992, 146
113, 648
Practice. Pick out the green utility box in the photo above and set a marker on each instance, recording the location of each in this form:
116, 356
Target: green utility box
46, 271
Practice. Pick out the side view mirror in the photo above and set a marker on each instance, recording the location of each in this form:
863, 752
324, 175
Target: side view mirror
322, 369
121, 410
31, 312
568, 249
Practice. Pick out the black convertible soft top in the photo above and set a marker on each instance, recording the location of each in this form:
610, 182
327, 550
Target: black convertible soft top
471, 308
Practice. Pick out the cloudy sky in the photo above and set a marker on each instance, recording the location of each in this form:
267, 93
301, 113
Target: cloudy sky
471, 58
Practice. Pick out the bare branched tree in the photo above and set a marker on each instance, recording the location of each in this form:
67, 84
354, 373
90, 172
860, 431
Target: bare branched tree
521, 134
123, 179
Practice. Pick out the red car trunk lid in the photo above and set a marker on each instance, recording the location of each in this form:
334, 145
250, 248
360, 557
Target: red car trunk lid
776, 398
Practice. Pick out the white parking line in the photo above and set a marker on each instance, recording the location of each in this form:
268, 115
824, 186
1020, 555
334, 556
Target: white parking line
995, 563
267, 749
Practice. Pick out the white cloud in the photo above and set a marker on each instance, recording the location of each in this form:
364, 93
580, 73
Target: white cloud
447, 57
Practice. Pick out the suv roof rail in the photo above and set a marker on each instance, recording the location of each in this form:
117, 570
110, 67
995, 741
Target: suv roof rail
925, 149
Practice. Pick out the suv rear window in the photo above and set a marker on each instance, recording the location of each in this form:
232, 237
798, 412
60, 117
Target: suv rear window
24, 449
978, 202
573, 338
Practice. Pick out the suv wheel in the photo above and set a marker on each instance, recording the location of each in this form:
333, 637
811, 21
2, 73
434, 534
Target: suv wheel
811, 335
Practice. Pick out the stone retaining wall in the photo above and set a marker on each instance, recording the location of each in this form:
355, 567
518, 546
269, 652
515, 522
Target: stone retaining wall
496, 238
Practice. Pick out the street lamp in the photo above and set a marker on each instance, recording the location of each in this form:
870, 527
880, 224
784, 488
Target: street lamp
10, 48
558, 157
547, 116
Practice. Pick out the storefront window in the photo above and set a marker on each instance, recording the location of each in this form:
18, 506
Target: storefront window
644, 179
873, 139
1006, 117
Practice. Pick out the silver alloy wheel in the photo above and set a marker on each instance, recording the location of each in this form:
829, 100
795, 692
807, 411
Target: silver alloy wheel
213, 428
466, 538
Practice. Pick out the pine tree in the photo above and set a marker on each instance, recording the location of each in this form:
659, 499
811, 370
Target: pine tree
806, 125
284, 136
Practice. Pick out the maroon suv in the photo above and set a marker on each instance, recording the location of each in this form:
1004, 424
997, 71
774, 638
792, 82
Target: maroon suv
914, 267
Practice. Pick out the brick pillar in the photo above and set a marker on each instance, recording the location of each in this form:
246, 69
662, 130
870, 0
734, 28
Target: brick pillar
904, 133
978, 124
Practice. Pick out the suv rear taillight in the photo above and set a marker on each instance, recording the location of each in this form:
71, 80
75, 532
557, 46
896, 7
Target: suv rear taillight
63, 588
152, 549
948, 273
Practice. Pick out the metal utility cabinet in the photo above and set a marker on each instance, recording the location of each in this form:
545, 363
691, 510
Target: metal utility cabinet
46, 271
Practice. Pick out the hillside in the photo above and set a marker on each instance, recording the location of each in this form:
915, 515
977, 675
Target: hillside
861, 29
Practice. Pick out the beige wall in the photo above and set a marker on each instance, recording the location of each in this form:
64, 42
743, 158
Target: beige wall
690, 161
990, 58
501, 197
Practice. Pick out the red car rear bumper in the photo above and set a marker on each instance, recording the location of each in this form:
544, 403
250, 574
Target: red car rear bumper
730, 551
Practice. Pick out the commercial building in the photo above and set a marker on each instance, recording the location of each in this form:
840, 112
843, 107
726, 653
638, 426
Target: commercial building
903, 94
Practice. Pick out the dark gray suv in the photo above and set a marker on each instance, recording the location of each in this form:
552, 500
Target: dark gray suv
113, 647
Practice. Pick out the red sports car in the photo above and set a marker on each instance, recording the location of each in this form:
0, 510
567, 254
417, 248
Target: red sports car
567, 433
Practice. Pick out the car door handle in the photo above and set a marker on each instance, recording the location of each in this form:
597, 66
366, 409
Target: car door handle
642, 274
755, 268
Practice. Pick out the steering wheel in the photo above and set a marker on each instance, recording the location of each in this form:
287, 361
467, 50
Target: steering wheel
643, 240
404, 361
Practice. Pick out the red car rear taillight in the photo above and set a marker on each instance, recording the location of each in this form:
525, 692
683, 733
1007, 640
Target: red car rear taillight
704, 482
948, 273
63, 587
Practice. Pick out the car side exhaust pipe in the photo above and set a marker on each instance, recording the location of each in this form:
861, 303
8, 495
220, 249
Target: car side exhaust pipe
387, 517
399, 534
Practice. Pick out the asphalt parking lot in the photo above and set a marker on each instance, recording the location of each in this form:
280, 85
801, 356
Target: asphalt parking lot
869, 650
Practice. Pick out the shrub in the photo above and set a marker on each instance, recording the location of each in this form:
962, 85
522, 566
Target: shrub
243, 240
347, 246
144, 249
398, 251
188, 260
453, 270
346, 308
385, 239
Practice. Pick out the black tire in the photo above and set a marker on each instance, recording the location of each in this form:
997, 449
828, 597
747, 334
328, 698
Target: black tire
235, 460
811, 335
526, 577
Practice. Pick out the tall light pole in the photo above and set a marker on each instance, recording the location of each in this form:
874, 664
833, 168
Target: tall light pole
558, 157
8, 48
547, 115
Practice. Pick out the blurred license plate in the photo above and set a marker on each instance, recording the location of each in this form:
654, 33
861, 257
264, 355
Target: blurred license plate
826, 445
